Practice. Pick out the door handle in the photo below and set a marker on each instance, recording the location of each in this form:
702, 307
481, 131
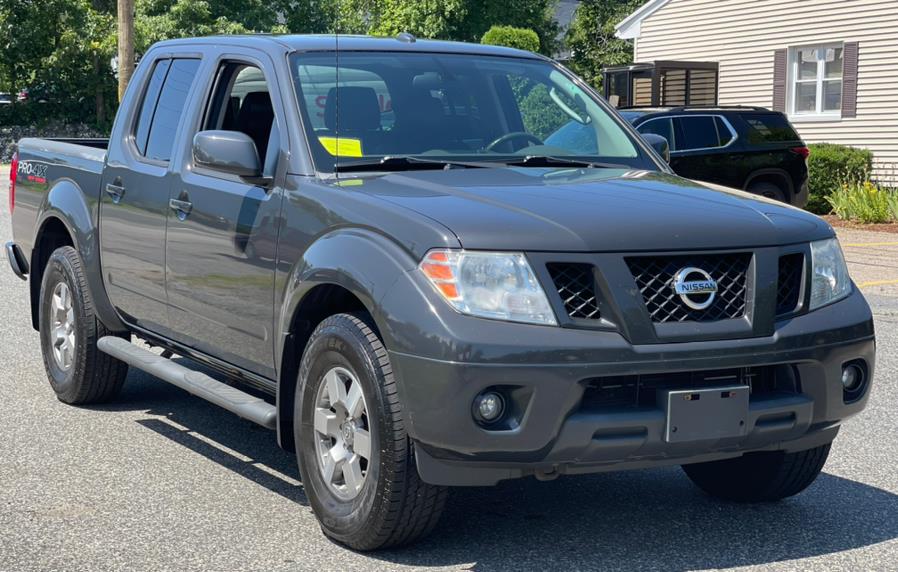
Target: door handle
181, 208
116, 192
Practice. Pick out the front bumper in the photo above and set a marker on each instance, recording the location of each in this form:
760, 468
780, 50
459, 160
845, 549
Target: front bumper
556, 435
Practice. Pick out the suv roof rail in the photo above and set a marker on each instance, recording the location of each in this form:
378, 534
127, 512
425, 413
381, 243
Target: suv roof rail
748, 107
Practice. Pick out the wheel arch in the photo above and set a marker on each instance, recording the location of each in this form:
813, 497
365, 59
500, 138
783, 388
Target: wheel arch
66, 218
778, 177
347, 271
53, 233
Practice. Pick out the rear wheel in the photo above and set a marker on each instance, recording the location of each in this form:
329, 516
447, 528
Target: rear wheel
769, 190
758, 477
356, 461
78, 372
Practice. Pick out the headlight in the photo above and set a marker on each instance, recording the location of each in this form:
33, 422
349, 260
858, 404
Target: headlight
829, 278
498, 285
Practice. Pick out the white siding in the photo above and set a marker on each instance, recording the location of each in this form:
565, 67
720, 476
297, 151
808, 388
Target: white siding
742, 36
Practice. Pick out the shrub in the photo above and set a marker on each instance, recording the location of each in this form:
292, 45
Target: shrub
511, 37
830, 168
865, 202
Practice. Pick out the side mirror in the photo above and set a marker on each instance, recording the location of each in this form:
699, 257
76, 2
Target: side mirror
659, 144
231, 152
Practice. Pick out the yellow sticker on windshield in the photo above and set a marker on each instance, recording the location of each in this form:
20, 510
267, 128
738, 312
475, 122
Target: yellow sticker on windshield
342, 146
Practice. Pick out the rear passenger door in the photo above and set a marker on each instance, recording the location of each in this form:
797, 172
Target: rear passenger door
221, 250
134, 200
706, 150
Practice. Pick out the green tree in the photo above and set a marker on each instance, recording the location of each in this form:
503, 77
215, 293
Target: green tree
462, 20
509, 36
592, 41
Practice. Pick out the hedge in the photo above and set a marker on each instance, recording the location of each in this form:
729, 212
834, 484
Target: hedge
830, 167
511, 37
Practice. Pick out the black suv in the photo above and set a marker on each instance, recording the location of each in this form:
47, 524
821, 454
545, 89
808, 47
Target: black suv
748, 148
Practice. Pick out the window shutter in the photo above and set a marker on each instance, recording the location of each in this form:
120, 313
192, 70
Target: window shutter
780, 62
849, 79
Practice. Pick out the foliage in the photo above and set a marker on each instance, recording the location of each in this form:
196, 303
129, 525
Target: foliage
62, 49
592, 41
830, 167
541, 115
463, 20
511, 37
865, 202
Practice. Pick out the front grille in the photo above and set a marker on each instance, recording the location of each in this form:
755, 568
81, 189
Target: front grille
788, 287
640, 391
654, 276
576, 285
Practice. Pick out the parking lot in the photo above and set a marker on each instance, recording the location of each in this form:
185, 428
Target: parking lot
161, 480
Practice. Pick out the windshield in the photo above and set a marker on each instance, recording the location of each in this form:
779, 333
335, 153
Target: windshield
451, 107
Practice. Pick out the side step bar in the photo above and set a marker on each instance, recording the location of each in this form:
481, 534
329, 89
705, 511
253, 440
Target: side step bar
243, 404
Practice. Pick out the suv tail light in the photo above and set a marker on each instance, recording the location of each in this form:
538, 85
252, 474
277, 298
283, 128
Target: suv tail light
803, 151
13, 172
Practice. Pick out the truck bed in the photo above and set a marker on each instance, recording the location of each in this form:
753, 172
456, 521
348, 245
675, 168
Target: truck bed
70, 162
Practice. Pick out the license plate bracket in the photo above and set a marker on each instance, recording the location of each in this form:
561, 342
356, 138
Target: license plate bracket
704, 414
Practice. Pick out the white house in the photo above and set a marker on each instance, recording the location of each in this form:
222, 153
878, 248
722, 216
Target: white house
831, 65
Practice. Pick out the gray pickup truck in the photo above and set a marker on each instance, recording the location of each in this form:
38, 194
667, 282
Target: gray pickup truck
367, 246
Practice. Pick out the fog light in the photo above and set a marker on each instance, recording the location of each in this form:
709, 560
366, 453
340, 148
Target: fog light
489, 406
852, 377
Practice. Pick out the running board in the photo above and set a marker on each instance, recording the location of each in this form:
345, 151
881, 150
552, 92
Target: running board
243, 404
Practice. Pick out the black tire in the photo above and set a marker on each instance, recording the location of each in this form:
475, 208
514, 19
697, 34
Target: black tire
759, 477
394, 506
768, 190
91, 376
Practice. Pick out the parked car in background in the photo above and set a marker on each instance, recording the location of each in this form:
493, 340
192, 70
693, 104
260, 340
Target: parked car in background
36, 94
5, 98
749, 148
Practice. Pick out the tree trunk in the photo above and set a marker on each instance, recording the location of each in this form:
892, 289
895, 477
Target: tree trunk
125, 44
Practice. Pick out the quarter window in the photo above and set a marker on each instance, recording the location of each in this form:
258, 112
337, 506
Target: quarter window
816, 80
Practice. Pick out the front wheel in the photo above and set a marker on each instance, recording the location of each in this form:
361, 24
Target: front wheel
69, 329
356, 461
759, 477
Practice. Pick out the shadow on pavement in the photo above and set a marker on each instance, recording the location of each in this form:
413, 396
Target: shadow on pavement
645, 520
218, 435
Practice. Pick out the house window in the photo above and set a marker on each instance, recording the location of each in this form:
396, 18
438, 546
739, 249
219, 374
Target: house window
816, 81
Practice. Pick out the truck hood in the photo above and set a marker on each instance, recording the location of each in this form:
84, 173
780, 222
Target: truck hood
612, 210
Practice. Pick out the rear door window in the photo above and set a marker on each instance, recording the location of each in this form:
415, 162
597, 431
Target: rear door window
661, 126
699, 132
148, 105
769, 128
169, 108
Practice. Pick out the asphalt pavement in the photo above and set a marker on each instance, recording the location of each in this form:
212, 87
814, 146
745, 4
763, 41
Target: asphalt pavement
161, 480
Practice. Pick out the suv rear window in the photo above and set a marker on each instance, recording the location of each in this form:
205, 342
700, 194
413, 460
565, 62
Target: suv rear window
769, 128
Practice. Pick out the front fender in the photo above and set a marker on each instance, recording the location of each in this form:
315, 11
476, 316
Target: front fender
363, 262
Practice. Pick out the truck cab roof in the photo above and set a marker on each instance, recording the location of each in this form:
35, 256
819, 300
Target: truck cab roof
328, 42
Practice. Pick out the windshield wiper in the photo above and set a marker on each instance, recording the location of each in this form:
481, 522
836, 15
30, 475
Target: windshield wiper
404, 163
548, 161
